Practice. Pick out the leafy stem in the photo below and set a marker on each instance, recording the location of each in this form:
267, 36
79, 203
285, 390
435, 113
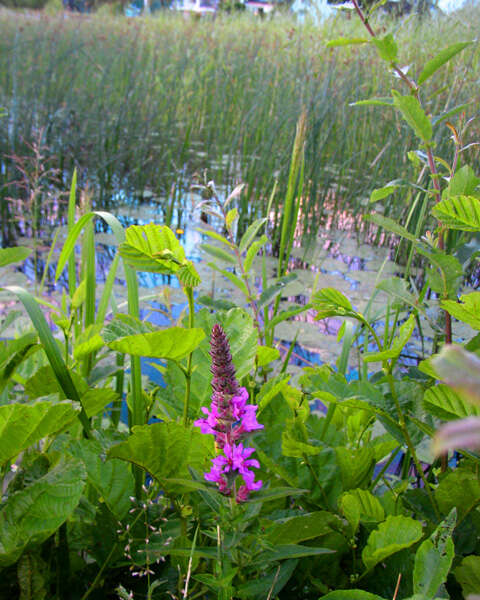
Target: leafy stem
188, 371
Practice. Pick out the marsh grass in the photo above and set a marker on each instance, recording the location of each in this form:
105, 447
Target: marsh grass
146, 104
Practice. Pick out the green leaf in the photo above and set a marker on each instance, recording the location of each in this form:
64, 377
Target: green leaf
451, 272
252, 252
351, 595
346, 42
285, 551
96, 399
329, 302
382, 193
166, 450
397, 345
356, 466
397, 288
125, 325
387, 101
445, 403
219, 253
393, 535
9, 256
440, 59
390, 225
32, 577
33, 514
386, 47
468, 575
152, 248
231, 217
414, 115
216, 236
250, 233
260, 586
174, 343
266, 355
434, 559
304, 527
459, 212
112, 479
23, 425
361, 506
460, 489
237, 282
463, 183
269, 494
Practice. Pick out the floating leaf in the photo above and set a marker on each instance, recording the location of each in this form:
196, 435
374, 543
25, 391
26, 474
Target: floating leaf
393, 535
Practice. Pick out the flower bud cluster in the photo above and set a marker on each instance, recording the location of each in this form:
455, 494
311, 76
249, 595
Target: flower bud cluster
229, 419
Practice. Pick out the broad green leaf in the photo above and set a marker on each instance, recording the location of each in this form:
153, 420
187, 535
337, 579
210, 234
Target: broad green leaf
269, 494
187, 275
152, 248
295, 448
361, 506
468, 575
173, 343
9, 256
397, 345
88, 341
397, 288
23, 425
219, 253
13, 353
414, 115
304, 527
33, 514
445, 403
43, 383
269, 390
96, 399
284, 551
459, 212
252, 252
434, 558
346, 42
329, 302
459, 369
356, 466
351, 595
269, 294
386, 47
440, 59
112, 478
166, 450
446, 281
125, 325
250, 234
460, 489
390, 225
393, 535
463, 183
266, 355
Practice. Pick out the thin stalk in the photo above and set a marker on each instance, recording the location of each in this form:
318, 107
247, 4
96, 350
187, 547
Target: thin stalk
188, 372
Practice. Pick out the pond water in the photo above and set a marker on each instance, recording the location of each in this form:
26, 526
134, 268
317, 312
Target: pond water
335, 258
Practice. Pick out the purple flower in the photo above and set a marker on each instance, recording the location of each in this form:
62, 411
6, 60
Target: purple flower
229, 419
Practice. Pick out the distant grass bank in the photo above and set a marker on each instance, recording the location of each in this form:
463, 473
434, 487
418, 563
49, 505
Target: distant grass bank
137, 104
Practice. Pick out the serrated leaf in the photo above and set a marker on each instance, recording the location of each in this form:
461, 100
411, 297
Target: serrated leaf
152, 248
329, 302
219, 253
96, 399
459, 212
173, 343
250, 233
9, 256
434, 558
445, 403
440, 59
356, 466
33, 514
361, 506
125, 325
386, 47
393, 535
463, 183
23, 425
414, 115
166, 450
112, 478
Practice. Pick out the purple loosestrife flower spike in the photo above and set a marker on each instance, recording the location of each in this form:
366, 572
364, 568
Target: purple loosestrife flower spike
229, 419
